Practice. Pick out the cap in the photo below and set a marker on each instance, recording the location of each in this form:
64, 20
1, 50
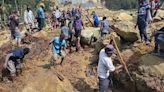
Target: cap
109, 49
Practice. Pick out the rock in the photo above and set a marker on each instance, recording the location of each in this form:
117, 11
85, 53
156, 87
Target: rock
123, 17
152, 65
126, 31
88, 34
159, 16
105, 41
47, 82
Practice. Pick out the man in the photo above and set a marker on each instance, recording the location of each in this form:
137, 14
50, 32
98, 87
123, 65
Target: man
14, 60
65, 30
58, 48
105, 66
29, 19
40, 17
159, 40
78, 25
95, 19
14, 27
57, 13
142, 20
104, 28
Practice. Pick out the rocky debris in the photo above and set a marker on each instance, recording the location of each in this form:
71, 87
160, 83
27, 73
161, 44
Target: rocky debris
152, 65
47, 81
126, 31
123, 17
159, 16
89, 34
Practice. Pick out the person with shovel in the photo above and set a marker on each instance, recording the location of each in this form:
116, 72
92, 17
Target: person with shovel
105, 66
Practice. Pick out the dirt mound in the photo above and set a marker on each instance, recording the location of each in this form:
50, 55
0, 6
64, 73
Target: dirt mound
47, 81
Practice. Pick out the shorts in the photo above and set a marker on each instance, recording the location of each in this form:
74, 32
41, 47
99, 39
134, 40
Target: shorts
13, 66
17, 34
78, 33
55, 56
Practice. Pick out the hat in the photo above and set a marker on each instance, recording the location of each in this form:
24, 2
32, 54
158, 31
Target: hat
109, 49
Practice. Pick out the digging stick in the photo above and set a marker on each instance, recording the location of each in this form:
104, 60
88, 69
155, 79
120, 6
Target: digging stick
121, 59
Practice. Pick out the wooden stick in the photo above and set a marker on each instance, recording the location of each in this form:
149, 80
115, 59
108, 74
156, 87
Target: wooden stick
121, 59
89, 20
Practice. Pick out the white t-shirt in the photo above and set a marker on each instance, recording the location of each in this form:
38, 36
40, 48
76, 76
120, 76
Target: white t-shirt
105, 65
57, 13
28, 17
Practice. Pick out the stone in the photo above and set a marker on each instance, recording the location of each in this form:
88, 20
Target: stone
88, 34
126, 31
152, 65
123, 17
159, 16
47, 81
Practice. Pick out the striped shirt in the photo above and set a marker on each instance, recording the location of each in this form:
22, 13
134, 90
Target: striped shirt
143, 8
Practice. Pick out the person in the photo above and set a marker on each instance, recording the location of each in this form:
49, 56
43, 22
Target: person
14, 27
155, 6
95, 19
29, 19
159, 40
78, 25
104, 28
58, 48
80, 11
40, 17
63, 19
65, 30
57, 13
73, 12
14, 60
142, 20
105, 66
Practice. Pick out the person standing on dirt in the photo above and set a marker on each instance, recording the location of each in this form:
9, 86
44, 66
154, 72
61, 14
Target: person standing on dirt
40, 17
58, 48
29, 19
57, 13
159, 40
14, 60
104, 28
105, 66
14, 27
78, 26
142, 22
95, 19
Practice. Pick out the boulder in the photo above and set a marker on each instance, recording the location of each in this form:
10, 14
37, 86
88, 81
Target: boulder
88, 34
126, 31
152, 65
159, 16
105, 41
123, 17
47, 81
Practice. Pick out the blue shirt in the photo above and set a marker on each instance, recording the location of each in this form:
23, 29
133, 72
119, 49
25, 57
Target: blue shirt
18, 53
57, 44
40, 13
96, 19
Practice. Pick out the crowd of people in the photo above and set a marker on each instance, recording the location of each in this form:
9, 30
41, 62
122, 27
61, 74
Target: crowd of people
71, 25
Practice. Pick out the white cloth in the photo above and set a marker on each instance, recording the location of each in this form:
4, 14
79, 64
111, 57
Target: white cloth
57, 13
105, 65
28, 17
